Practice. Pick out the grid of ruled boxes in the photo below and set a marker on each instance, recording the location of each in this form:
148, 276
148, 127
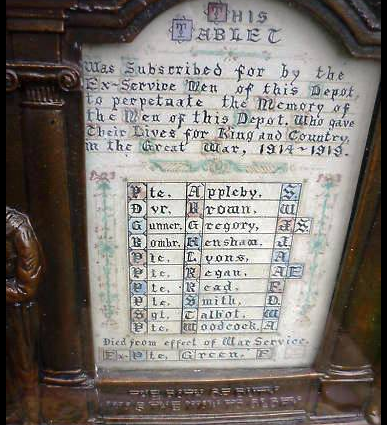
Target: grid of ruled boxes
209, 258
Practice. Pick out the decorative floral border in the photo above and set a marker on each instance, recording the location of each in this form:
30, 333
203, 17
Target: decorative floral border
218, 167
319, 242
106, 247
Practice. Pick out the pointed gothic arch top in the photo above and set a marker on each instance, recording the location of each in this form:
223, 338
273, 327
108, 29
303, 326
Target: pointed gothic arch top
356, 22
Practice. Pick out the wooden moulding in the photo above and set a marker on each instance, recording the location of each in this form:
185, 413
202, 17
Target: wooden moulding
47, 166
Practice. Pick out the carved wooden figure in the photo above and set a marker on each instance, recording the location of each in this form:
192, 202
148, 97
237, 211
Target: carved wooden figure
23, 275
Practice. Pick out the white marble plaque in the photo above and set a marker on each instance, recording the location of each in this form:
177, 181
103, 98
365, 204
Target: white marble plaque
224, 147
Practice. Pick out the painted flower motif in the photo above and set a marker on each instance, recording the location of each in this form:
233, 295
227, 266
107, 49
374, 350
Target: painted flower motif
329, 181
218, 167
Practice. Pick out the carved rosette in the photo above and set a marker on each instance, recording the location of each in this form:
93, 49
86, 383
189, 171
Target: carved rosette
11, 81
69, 79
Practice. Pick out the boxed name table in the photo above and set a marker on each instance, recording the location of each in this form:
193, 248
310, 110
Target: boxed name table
211, 258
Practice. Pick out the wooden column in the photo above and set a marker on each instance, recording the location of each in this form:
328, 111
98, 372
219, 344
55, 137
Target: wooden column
45, 147
352, 363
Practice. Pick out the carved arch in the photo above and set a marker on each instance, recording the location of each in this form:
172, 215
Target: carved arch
123, 20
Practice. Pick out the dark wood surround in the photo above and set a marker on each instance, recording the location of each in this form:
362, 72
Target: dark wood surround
45, 178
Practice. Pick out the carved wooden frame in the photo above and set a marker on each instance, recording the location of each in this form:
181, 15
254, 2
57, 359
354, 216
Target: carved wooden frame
46, 178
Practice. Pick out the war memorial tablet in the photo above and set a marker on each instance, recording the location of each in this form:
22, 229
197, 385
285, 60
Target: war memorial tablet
224, 147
